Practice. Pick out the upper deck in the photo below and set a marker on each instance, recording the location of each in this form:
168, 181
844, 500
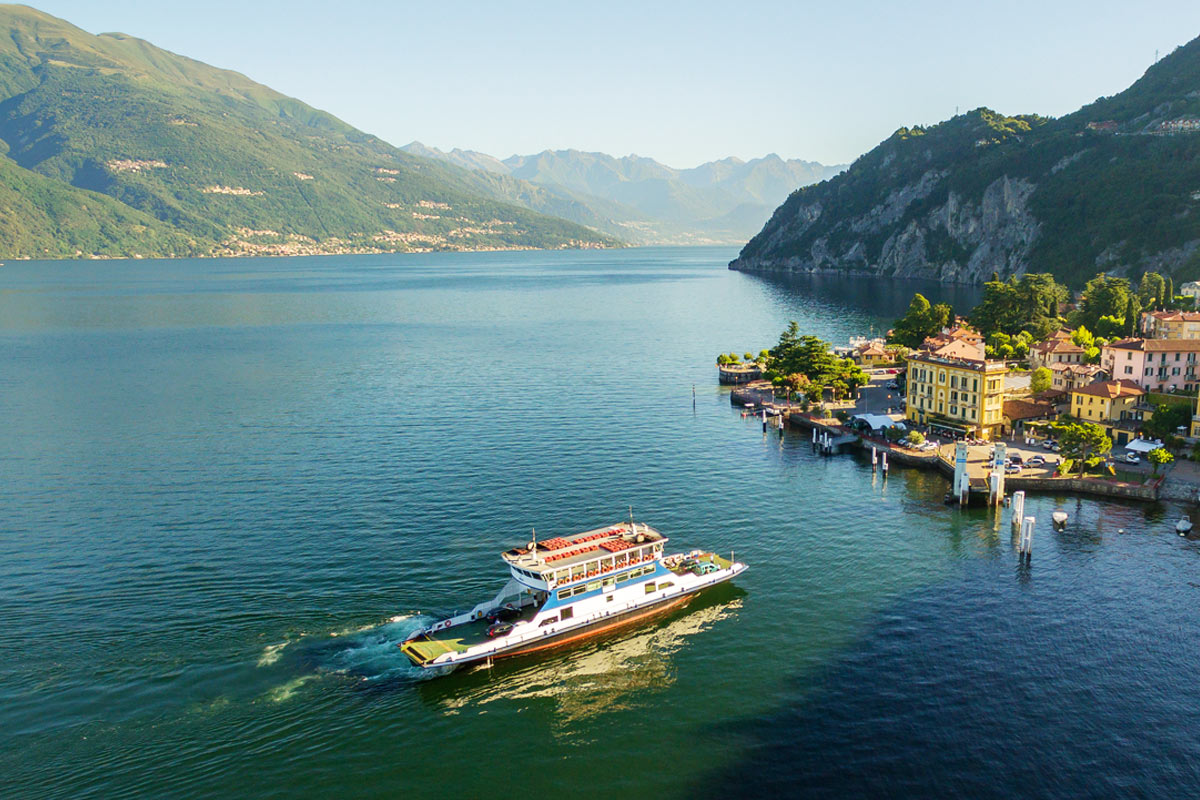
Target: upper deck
564, 559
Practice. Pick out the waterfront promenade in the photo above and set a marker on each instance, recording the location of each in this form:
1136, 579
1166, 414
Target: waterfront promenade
1129, 481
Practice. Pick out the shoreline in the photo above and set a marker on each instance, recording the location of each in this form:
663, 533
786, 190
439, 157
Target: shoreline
937, 460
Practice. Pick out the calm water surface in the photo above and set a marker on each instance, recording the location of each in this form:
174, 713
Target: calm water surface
229, 488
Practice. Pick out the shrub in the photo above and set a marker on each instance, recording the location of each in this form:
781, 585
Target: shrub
916, 438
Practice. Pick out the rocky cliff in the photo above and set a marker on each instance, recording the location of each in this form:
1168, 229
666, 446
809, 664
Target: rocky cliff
1114, 187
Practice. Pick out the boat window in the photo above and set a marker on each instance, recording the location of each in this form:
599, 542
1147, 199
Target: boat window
609, 598
608, 582
579, 590
606, 564
593, 586
547, 621
577, 572
620, 561
564, 594
567, 613
666, 584
563, 575
624, 576
649, 587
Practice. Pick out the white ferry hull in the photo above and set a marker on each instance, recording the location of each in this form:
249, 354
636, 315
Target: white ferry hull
587, 627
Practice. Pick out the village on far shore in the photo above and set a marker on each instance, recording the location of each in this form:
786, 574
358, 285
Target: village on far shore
1093, 391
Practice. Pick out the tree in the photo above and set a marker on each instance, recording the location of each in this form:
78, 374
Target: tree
1011, 306
1151, 290
1133, 315
1102, 296
1170, 293
1110, 327
1039, 381
1083, 337
1081, 440
797, 354
1159, 456
748, 356
922, 320
916, 438
995, 276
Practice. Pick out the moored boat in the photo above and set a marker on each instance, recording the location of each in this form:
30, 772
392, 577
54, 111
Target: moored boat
567, 589
1183, 526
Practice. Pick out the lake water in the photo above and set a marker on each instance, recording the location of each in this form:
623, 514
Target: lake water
228, 488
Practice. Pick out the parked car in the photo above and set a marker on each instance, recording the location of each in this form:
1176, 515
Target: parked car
1009, 469
1016, 459
1049, 444
1036, 461
499, 629
893, 385
1132, 458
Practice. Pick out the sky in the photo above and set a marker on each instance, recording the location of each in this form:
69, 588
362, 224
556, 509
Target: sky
681, 82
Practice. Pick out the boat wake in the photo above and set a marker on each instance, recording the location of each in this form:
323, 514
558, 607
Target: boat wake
370, 653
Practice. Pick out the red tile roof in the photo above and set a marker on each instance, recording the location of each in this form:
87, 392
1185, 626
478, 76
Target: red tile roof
1157, 345
1111, 389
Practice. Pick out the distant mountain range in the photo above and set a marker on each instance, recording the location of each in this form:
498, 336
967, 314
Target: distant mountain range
646, 202
110, 146
1113, 187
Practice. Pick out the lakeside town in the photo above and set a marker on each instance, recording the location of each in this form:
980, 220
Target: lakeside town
1093, 391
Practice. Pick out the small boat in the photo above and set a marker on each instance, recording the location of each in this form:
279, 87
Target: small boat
1059, 518
567, 589
1183, 526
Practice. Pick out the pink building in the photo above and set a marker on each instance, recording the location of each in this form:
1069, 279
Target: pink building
1158, 365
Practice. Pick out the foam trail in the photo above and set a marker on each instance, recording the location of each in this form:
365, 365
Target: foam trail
372, 653
271, 654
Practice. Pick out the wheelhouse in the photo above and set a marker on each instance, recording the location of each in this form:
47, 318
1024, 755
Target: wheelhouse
565, 561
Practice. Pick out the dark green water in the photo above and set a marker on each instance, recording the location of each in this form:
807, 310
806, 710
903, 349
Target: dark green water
228, 488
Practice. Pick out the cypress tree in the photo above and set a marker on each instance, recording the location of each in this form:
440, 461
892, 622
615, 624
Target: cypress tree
995, 276
1170, 301
1133, 310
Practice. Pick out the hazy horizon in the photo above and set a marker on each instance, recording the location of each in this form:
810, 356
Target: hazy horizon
810, 82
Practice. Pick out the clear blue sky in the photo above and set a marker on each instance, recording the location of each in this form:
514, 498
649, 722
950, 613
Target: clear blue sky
681, 82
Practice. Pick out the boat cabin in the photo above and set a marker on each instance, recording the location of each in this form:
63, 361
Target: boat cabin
565, 560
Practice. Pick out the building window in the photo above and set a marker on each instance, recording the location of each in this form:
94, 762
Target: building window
1129, 370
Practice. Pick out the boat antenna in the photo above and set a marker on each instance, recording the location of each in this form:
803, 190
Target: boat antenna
533, 544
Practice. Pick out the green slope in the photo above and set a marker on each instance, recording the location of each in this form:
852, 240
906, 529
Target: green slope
984, 192
229, 164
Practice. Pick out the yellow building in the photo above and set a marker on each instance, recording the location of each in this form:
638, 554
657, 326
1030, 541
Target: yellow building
1113, 405
955, 390
874, 354
1196, 420
1171, 324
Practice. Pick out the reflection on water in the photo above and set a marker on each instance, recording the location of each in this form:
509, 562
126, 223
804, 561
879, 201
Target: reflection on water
607, 675
818, 295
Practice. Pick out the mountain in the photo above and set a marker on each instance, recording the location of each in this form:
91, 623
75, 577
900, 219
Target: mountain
1113, 187
648, 202
110, 146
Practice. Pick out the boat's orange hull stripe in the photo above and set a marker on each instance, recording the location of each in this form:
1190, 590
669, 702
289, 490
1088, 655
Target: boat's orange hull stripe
596, 631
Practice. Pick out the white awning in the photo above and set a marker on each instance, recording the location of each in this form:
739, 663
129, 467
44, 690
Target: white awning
1143, 445
878, 421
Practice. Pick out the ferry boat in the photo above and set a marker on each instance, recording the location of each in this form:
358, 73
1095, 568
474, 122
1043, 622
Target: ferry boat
567, 589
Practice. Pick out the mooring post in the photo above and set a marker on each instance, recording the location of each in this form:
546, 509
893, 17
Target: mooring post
764, 420
885, 462
962, 481
1025, 550
1018, 511
874, 457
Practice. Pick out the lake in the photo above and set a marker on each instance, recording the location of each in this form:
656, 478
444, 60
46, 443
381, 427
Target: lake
229, 488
